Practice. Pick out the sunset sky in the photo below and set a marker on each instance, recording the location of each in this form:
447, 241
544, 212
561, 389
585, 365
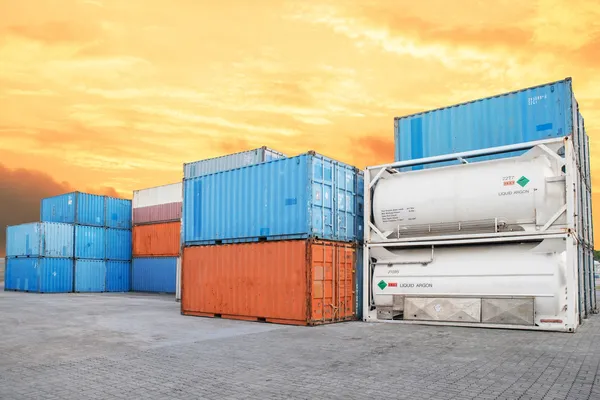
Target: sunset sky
114, 95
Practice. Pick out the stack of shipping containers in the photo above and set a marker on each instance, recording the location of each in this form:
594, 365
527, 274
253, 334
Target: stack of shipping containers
82, 244
273, 241
156, 238
39, 257
494, 197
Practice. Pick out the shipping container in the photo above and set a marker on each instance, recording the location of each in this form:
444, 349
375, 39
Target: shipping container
526, 115
154, 274
39, 239
118, 213
230, 161
360, 206
157, 214
298, 282
41, 275
157, 204
74, 208
178, 280
118, 244
156, 239
90, 275
90, 242
290, 198
118, 276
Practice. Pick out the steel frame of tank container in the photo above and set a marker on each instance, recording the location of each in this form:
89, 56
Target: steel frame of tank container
376, 238
550, 147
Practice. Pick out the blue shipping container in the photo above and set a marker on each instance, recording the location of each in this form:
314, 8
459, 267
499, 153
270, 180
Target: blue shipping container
299, 197
118, 276
154, 274
39, 239
90, 275
230, 161
118, 213
74, 208
90, 242
526, 115
42, 275
118, 244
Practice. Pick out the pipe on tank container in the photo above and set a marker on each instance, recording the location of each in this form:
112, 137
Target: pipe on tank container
467, 154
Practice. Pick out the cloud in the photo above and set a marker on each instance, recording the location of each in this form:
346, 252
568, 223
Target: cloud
21, 191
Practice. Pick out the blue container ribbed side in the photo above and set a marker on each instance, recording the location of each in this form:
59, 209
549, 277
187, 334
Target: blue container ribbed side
56, 275
91, 209
305, 196
39, 239
90, 242
75, 207
21, 274
154, 274
118, 276
118, 244
90, 275
526, 115
42, 275
118, 213
62, 208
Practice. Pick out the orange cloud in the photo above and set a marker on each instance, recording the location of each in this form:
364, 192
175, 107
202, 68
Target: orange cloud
114, 94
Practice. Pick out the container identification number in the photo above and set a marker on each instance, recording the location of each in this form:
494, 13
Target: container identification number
536, 99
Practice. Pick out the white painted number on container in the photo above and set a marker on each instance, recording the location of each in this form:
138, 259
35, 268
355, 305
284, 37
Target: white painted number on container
437, 308
536, 99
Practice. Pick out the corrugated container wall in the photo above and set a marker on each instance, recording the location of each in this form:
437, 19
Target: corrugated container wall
75, 207
157, 204
90, 275
42, 275
157, 239
154, 274
118, 244
526, 115
230, 161
43, 239
118, 276
305, 196
118, 213
90, 242
298, 282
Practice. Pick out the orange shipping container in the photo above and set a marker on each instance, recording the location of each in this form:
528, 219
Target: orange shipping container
289, 282
156, 239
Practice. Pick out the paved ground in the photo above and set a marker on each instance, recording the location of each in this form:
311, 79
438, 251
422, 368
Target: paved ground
140, 347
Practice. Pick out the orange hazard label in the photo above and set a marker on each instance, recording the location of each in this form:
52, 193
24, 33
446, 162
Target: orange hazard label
509, 183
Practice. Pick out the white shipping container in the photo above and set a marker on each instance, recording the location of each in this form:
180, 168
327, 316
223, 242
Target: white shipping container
154, 196
178, 281
504, 284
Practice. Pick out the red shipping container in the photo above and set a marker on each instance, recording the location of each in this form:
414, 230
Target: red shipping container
156, 240
298, 282
158, 213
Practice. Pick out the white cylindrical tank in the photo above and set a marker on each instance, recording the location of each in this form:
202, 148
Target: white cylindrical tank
516, 191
